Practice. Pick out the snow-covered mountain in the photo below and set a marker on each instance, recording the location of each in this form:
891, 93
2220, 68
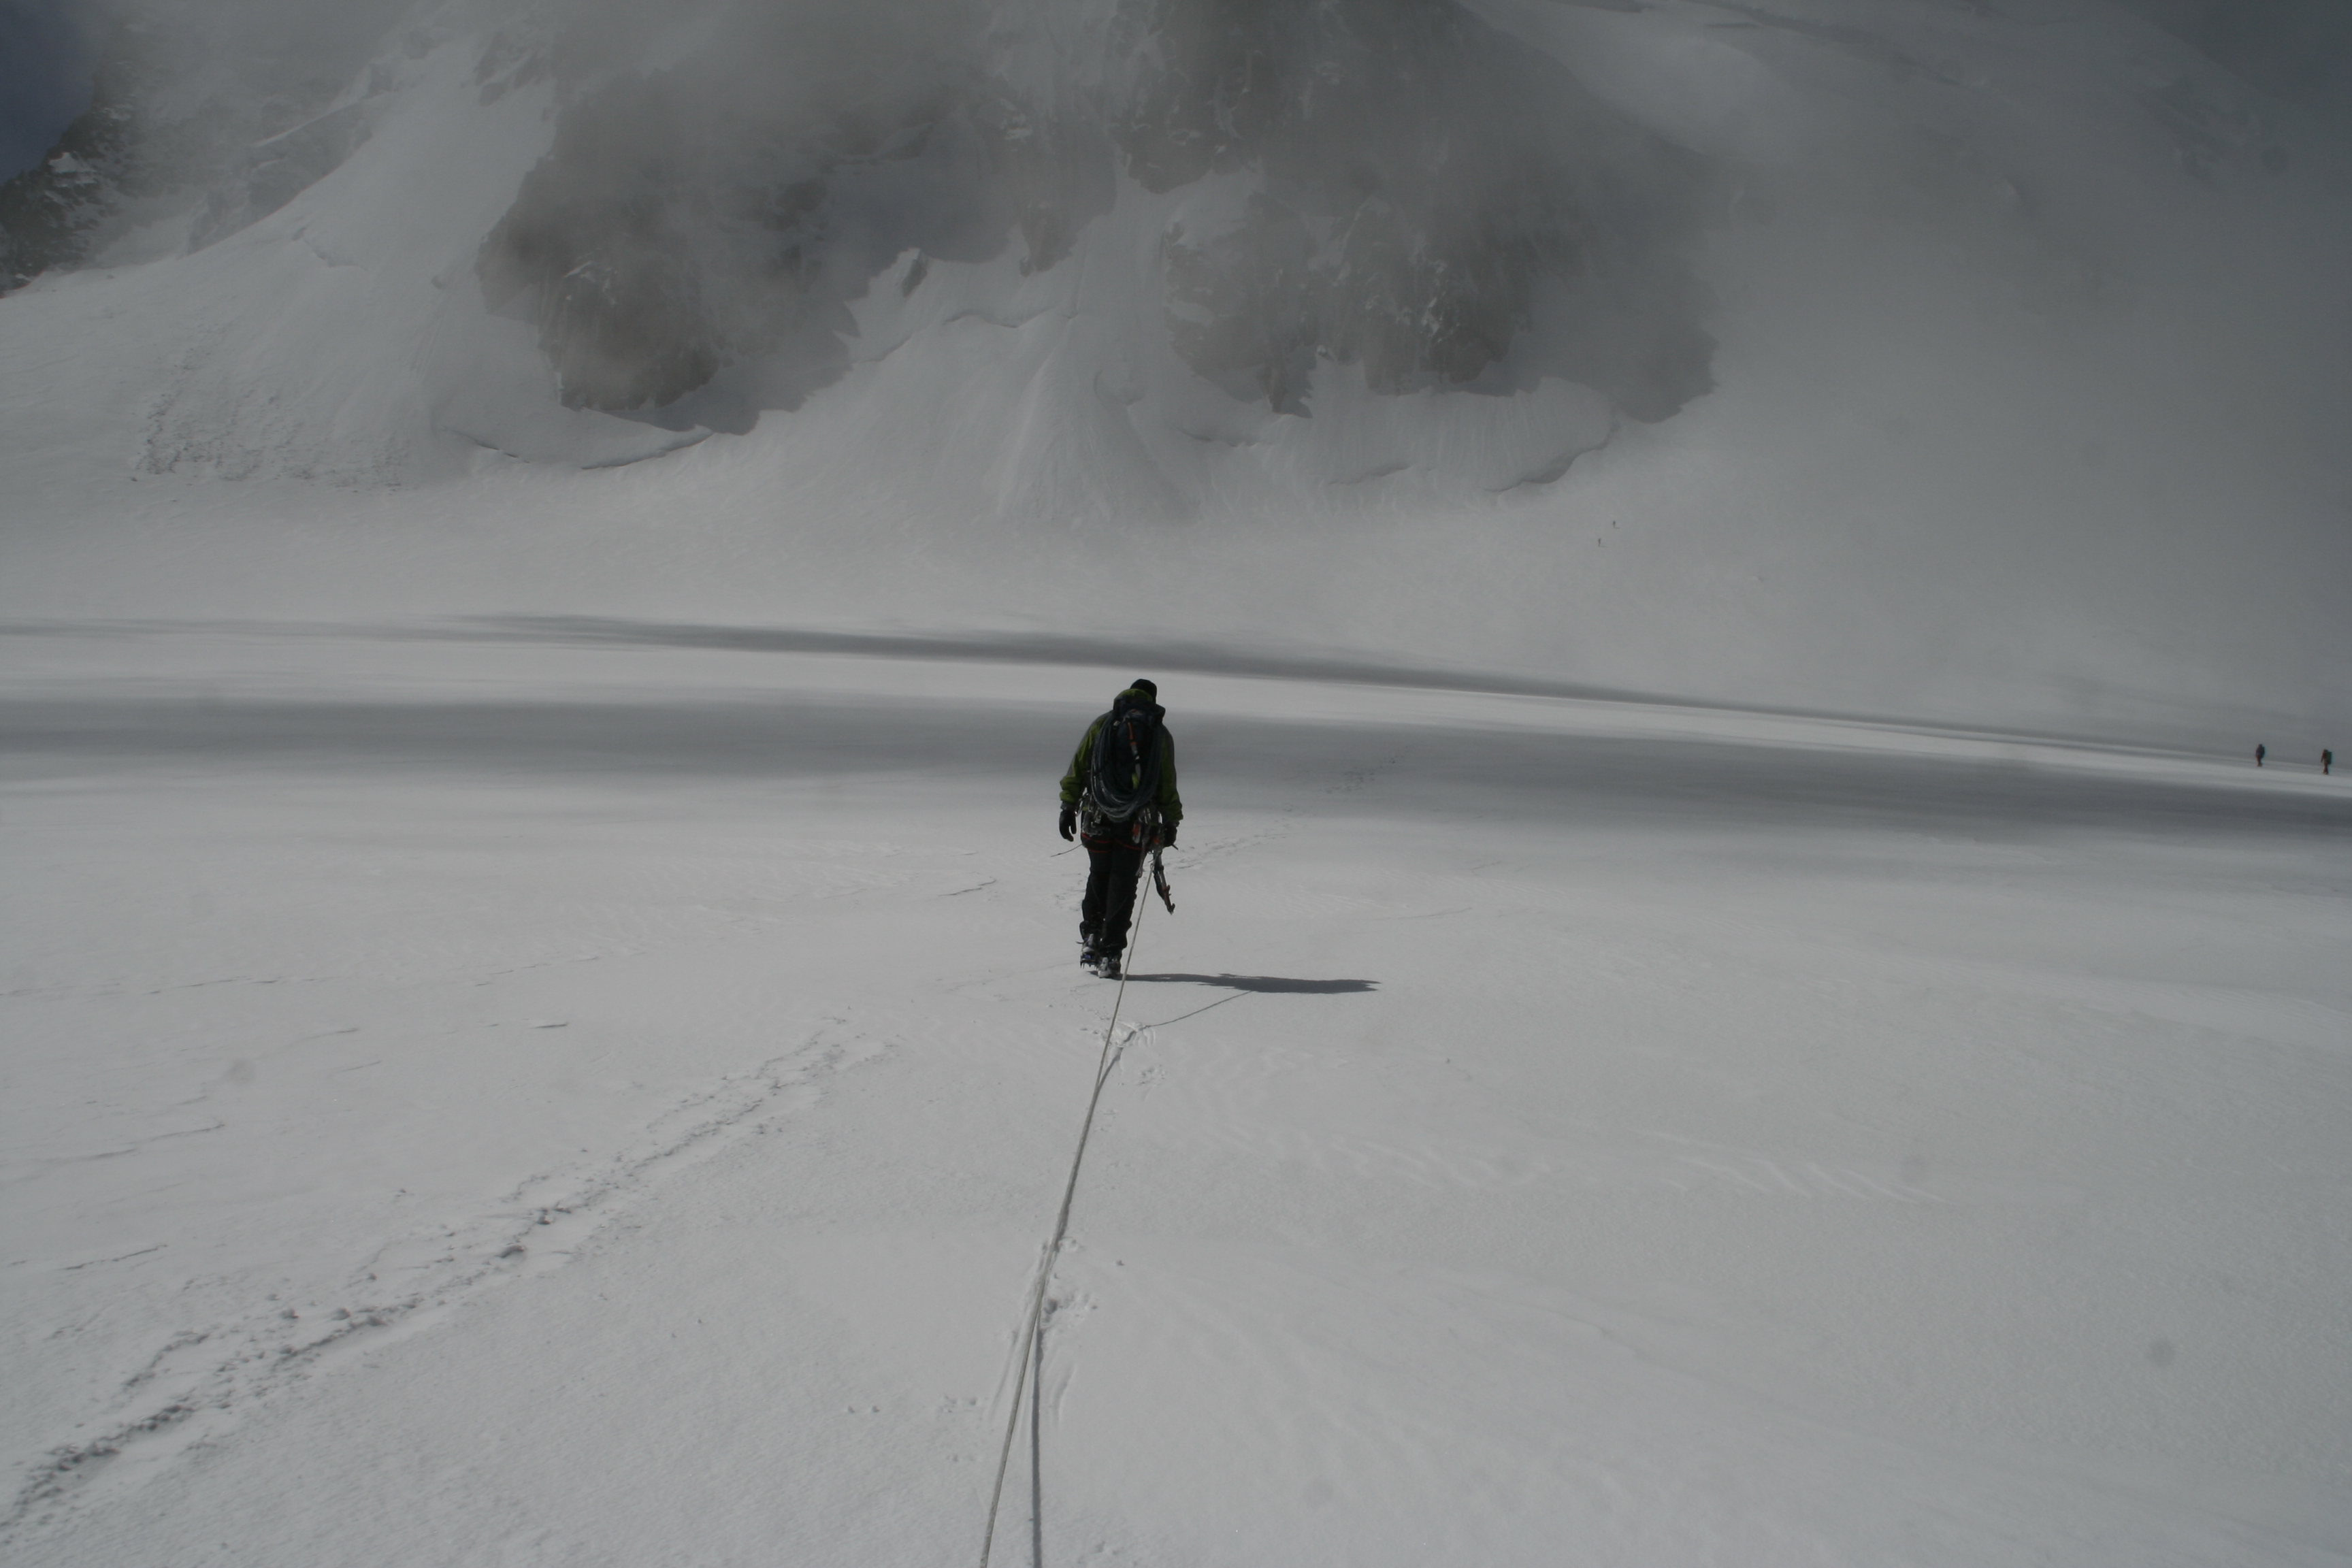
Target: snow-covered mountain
1944, 359
553, 553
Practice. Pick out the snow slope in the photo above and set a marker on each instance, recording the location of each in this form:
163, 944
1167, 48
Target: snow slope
532, 1100
2027, 402
537, 1021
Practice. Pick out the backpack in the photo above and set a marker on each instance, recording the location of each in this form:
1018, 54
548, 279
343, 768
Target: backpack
1123, 776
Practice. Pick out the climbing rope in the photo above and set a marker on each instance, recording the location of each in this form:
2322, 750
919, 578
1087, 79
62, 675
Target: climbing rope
1033, 1353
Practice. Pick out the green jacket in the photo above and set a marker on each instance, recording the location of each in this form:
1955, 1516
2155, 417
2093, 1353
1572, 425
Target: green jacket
1074, 783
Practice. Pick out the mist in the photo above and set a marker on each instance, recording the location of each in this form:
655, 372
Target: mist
1750, 598
1920, 358
1416, 191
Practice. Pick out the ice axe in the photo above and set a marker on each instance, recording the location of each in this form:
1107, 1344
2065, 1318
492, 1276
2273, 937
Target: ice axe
1160, 880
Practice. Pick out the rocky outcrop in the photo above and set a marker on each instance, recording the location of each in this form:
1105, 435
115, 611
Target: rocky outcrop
208, 114
109, 152
1425, 181
730, 206
1428, 198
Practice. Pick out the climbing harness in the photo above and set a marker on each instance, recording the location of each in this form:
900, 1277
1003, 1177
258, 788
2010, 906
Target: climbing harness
1032, 1375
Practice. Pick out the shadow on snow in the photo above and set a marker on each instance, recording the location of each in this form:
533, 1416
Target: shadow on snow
1279, 982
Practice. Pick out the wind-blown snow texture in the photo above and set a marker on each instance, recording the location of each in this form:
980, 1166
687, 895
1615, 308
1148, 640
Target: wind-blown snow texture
551, 553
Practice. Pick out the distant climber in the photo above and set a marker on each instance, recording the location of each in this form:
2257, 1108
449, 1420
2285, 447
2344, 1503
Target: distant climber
2260, 753
1119, 800
2326, 762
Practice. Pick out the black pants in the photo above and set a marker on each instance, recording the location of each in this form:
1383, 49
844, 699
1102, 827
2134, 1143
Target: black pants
1111, 873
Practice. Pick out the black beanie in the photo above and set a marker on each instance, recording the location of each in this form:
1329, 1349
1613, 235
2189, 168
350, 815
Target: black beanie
1149, 689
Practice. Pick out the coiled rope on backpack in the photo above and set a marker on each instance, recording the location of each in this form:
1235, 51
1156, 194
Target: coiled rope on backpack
1124, 774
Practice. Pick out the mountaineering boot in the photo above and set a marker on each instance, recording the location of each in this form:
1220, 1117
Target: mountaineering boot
1106, 964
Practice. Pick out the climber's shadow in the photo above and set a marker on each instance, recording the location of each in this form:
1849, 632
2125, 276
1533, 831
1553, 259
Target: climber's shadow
1259, 982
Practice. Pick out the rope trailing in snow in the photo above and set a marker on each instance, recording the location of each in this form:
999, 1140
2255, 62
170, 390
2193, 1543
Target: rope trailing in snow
1033, 1331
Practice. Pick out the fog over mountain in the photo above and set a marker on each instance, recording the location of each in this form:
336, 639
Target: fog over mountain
1919, 357
1405, 191
1732, 985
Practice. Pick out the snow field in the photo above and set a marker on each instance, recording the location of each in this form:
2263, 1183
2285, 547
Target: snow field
1550, 1132
522, 1090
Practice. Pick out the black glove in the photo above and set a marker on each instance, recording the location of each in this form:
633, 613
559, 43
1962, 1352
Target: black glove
1069, 822
1168, 835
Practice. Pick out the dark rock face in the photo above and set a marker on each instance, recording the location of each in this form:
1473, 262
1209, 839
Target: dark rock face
49, 212
1427, 181
1435, 202
211, 108
112, 150
731, 206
